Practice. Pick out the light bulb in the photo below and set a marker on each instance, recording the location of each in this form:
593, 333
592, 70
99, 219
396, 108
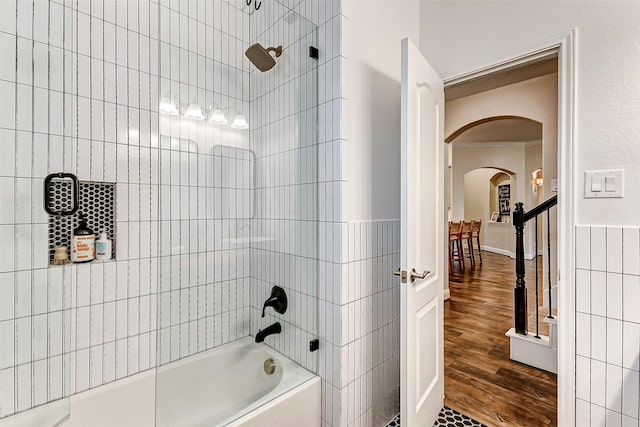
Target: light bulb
167, 106
240, 122
194, 112
217, 116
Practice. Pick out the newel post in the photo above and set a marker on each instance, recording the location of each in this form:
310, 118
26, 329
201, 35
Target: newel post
520, 291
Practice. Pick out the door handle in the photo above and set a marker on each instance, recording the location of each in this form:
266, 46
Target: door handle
415, 275
402, 274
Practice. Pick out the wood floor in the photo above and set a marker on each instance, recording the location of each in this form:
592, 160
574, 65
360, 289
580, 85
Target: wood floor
480, 379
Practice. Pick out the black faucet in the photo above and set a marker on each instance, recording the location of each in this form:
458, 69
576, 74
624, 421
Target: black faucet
275, 328
277, 300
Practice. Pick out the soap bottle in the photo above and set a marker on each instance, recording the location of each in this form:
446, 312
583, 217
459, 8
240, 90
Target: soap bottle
83, 242
103, 247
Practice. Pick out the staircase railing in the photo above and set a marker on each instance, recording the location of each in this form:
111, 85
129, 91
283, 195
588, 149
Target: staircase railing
520, 218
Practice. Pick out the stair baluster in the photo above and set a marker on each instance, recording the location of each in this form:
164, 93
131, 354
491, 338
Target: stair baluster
520, 218
550, 315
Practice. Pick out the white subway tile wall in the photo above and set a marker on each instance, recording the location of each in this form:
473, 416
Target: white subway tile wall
37, 137
80, 87
607, 325
297, 227
115, 116
370, 323
205, 179
284, 249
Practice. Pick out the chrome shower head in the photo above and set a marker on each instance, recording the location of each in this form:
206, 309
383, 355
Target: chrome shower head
261, 58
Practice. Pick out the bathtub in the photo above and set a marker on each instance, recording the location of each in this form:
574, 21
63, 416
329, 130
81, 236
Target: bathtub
222, 386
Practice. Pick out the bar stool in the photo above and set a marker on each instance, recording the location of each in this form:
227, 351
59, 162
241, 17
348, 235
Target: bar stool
465, 235
475, 234
456, 253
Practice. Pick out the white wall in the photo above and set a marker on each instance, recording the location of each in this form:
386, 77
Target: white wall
607, 68
371, 37
541, 105
477, 197
370, 207
508, 156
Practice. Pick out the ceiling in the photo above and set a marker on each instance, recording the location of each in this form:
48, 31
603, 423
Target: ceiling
502, 78
503, 130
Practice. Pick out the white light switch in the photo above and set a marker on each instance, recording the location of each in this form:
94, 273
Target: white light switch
604, 184
609, 183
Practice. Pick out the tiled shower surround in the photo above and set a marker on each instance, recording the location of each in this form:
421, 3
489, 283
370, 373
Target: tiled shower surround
197, 204
284, 143
205, 180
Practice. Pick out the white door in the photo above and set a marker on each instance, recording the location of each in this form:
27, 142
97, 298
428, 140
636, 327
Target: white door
422, 244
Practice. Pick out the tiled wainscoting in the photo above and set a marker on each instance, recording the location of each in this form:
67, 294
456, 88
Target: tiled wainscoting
607, 325
370, 323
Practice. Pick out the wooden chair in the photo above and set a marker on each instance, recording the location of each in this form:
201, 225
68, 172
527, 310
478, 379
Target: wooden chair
466, 236
455, 245
475, 234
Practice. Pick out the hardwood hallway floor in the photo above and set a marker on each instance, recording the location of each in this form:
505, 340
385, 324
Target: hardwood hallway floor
480, 379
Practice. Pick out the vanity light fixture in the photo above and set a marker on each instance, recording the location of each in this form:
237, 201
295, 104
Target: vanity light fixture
194, 112
167, 106
217, 116
240, 122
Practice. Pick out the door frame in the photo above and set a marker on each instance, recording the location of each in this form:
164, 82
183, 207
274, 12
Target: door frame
564, 45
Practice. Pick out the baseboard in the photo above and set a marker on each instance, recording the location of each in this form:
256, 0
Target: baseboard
499, 251
446, 294
527, 255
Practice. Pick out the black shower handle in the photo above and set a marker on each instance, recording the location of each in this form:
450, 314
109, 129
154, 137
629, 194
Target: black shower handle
47, 197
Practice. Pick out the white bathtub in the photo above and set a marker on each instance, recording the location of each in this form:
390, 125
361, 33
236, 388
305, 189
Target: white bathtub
223, 386
217, 387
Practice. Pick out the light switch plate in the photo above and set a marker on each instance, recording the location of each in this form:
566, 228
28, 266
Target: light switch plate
604, 188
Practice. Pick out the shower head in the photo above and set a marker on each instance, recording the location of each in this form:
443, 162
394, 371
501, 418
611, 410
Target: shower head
261, 58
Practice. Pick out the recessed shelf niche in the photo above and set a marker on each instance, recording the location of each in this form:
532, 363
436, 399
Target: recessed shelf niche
97, 200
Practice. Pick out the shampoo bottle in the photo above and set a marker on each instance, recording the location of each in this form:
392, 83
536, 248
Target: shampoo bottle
83, 242
103, 247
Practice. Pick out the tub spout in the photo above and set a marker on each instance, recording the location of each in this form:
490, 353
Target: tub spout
276, 328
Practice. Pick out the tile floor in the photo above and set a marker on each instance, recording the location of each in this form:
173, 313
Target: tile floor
447, 418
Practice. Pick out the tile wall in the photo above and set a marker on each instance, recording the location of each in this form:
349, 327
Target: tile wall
37, 136
188, 228
205, 179
299, 206
370, 326
284, 250
607, 326
96, 64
